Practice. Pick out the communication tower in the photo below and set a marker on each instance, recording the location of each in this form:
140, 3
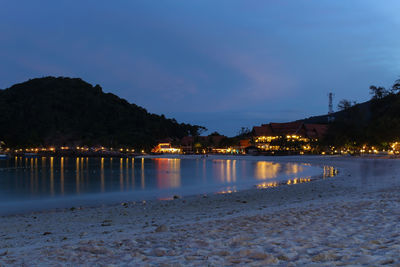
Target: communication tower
330, 107
330, 103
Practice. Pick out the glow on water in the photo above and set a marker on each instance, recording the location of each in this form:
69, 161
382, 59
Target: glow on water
107, 180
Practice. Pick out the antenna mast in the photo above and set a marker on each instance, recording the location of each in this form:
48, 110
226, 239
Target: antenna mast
330, 103
330, 107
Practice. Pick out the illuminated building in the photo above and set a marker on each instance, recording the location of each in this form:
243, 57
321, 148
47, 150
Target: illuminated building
165, 148
292, 136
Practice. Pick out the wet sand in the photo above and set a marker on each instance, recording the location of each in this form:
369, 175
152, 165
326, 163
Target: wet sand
351, 219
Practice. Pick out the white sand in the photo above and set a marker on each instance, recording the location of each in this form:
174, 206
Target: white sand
352, 219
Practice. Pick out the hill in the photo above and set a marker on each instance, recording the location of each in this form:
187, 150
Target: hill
324, 119
374, 123
66, 111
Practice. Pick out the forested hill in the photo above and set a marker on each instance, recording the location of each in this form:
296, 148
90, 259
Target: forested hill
339, 115
375, 122
66, 111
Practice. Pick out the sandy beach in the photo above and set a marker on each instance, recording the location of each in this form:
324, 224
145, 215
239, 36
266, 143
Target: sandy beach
351, 219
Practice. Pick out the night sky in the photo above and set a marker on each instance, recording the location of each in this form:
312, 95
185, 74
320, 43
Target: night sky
221, 64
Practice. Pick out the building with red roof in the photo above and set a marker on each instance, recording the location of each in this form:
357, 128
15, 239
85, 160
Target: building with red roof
291, 136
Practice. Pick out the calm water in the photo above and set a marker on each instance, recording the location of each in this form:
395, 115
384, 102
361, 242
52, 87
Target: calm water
40, 183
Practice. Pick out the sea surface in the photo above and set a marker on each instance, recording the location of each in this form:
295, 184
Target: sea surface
32, 184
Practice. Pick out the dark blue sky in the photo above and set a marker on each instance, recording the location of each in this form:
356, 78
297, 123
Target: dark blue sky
221, 64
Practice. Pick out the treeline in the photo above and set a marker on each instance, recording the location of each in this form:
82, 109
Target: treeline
66, 111
373, 123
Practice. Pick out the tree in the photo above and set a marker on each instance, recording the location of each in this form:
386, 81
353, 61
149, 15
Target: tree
244, 131
344, 104
197, 130
396, 87
378, 92
214, 134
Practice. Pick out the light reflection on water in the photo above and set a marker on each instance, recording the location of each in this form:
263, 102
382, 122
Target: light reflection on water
168, 174
328, 172
228, 190
267, 170
30, 178
224, 170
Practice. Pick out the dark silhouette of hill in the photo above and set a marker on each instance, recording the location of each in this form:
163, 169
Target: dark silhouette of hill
375, 123
364, 107
66, 111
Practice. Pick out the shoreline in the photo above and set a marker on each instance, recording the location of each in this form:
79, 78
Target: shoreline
202, 226
59, 203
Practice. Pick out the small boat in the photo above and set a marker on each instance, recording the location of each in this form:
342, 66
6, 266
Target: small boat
3, 156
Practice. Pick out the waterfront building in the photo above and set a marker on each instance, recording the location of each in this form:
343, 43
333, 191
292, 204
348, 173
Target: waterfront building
291, 136
165, 148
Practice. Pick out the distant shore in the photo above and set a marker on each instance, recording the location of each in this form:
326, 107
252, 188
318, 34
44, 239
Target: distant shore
349, 219
117, 154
